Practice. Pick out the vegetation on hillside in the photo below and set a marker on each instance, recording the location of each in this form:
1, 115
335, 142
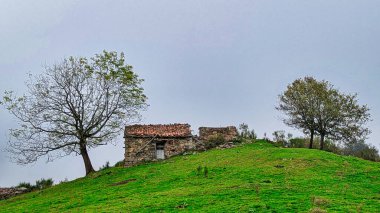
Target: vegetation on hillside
257, 177
359, 149
40, 184
316, 107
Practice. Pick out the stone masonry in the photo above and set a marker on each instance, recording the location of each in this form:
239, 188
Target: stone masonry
145, 143
229, 133
6, 193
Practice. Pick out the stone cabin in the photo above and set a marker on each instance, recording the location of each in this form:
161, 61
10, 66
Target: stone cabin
156, 142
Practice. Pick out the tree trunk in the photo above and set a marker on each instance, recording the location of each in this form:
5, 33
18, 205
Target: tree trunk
311, 139
322, 141
86, 159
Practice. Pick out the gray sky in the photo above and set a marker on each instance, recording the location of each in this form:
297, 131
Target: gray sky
206, 63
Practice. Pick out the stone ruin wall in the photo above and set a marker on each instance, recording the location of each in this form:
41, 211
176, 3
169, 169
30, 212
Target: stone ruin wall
6, 193
178, 146
229, 133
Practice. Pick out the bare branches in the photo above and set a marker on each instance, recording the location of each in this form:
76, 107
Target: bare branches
75, 103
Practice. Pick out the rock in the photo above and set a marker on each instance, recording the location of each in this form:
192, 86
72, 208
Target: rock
226, 145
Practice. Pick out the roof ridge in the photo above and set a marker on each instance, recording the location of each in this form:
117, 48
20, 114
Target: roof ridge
160, 130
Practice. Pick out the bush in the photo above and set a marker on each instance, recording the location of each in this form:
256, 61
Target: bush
245, 133
279, 135
64, 181
203, 170
277, 144
119, 164
330, 146
298, 143
40, 184
239, 140
358, 149
29, 187
362, 150
105, 166
44, 183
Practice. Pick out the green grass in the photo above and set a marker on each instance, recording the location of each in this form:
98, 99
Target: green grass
252, 178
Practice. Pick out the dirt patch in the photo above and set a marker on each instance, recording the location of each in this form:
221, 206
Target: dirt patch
123, 182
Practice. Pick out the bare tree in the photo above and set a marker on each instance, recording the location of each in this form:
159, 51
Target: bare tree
246, 133
74, 106
279, 136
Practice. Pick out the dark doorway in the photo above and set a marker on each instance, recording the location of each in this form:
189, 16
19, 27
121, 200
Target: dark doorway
160, 153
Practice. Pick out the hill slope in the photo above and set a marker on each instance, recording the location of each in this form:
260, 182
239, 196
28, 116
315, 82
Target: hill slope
252, 178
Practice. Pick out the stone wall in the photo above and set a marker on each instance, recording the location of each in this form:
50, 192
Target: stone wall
178, 146
141, 140
139, 150
6, 193
229, 133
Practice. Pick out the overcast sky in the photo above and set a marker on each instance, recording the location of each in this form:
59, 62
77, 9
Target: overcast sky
206, 63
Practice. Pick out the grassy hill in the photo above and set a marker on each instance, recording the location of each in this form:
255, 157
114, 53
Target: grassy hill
255, 177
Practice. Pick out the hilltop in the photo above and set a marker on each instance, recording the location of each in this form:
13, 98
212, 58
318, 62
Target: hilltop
257, 177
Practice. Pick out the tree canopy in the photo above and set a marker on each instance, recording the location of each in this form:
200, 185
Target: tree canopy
74, 106
317, 107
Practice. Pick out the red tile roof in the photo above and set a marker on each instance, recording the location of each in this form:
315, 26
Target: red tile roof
159, 130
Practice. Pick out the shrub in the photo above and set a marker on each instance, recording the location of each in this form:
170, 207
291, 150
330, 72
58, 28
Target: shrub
281, 139
40, 184
245, 133
64, 181
238, 140
298, 143
105, 166
44, 183
330, 146
119, 164
362, 150
203, 170
358, 149
29, 187
279, 136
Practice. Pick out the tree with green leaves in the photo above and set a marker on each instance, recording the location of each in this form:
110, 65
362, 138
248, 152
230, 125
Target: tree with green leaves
299, 104
339, 116
74, 106
316, 107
